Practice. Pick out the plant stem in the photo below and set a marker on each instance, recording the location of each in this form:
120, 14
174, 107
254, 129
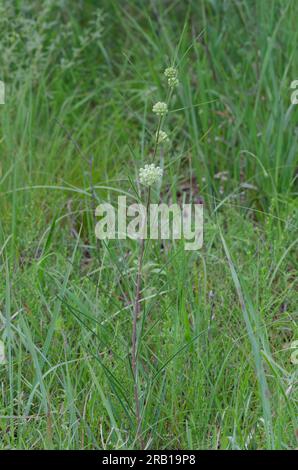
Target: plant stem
136, 313
134, 342
137, 307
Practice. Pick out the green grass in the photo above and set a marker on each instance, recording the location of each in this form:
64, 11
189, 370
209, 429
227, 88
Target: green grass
216, 328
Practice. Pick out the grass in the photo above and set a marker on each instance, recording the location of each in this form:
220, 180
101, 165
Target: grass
216, 328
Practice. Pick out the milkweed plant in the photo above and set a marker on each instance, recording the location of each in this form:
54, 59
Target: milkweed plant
149, 175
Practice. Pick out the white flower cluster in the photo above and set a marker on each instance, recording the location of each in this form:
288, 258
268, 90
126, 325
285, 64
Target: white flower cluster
172, 75
150, 174
162, 137
171, 72
160, 108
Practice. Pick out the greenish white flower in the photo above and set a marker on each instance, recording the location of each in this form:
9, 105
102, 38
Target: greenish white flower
171, 72
150, 174
172, 75
172, 82
162, 137
160, 108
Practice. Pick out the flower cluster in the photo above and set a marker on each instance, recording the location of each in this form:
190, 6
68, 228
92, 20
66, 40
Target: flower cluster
150, 174
172, 75
160, 108
171, 72
162, 137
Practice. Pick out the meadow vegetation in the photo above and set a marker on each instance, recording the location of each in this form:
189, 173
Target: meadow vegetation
216, 325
